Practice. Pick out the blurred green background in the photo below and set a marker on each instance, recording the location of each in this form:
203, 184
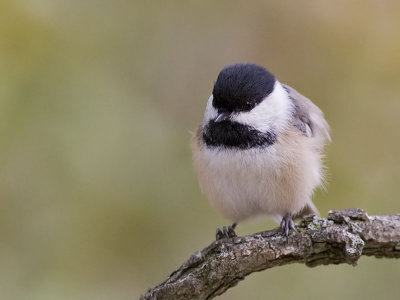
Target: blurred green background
97, 100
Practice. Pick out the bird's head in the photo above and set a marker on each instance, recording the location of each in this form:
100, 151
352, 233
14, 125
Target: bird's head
248, 108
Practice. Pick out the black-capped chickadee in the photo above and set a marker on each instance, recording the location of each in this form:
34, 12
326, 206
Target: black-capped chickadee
259, 149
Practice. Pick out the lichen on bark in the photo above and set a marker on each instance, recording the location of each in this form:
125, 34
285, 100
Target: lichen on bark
340, 238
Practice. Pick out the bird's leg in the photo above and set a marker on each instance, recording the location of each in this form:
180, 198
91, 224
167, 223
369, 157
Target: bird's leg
287, 224
226, 232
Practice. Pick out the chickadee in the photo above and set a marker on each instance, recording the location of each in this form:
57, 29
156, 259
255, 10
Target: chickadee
259, 149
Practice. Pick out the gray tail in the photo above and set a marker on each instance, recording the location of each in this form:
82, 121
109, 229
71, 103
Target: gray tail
307, 210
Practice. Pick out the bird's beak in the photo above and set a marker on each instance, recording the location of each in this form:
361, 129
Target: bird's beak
222, 117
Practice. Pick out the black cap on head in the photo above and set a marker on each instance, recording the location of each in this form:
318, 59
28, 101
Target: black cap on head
240, 87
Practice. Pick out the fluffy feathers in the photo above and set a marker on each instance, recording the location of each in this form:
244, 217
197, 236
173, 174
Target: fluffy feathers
273, 179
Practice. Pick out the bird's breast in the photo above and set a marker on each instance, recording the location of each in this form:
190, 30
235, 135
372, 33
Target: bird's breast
239, 183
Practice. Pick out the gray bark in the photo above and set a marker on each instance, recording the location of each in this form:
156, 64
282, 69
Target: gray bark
341, 238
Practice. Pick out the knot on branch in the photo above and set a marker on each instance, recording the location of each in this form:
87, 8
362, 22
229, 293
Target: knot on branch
333, 244
347, 215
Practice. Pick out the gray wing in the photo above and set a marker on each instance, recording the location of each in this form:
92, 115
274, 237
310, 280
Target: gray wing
307, 117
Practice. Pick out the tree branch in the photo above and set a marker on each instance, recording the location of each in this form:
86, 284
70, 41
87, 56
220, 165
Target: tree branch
341, 238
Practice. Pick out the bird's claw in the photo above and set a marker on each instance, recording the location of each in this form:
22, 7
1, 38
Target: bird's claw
226, 232
287, 224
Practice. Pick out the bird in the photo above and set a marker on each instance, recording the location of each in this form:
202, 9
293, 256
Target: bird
259, 150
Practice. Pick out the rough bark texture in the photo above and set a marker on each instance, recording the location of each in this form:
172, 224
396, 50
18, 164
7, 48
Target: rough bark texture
341, 238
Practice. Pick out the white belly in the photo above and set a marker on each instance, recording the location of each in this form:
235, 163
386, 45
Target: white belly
273, 181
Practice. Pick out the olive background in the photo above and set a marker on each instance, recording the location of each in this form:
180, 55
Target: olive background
98, 100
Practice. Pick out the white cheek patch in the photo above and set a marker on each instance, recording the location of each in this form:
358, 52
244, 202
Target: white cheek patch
274, 112
210, 113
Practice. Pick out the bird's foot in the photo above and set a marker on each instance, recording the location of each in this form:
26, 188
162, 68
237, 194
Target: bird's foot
287, 224
226, 232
